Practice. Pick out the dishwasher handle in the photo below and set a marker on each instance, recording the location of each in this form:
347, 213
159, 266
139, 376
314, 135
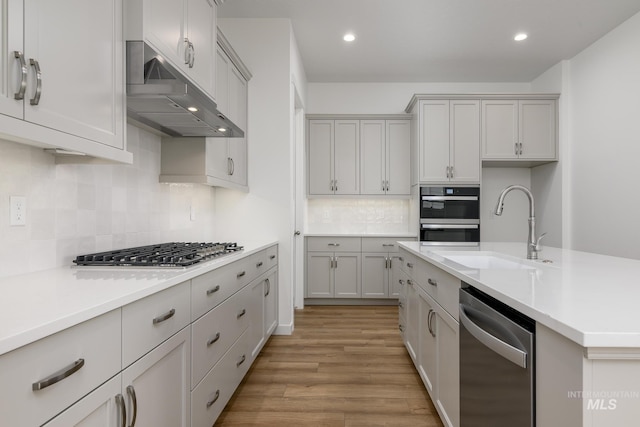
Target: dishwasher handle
504, 349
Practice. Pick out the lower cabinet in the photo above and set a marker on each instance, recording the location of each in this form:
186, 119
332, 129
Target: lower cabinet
333, 275
431, 332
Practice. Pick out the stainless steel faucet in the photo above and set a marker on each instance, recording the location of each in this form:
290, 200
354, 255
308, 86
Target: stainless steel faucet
533, 244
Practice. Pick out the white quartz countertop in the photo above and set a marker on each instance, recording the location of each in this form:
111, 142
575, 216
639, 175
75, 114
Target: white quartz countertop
348, 234
594, 300
35, 305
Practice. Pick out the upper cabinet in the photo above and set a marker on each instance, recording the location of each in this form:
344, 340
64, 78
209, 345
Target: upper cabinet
358, 156
449, 141
62, 77
183, 31
522, 129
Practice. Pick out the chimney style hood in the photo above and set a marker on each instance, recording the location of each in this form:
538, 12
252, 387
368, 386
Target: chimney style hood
160, 96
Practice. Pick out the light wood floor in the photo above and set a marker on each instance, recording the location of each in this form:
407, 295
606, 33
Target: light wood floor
343, 366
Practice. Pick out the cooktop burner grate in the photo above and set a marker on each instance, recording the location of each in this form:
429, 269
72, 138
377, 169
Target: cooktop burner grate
175, 254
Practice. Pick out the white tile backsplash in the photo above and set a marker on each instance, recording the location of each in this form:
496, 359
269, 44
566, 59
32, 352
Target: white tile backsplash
357, 216
80, 208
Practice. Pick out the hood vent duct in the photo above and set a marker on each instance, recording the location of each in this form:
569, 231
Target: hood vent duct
160, 96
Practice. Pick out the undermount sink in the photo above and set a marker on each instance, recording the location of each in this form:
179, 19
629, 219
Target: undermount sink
486, 261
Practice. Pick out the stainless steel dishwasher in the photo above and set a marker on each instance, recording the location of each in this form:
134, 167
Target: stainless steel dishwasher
497, 363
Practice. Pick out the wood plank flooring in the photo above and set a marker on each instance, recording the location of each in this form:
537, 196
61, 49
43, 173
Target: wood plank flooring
343, 366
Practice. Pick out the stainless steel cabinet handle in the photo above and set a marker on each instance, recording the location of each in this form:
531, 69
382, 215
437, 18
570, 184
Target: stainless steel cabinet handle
384, 187
432, 282
23, 75
192, 56
521, 148
410, 265
233, 166
504, 349
431, 314
401, 259
386, 245
336, 262
239, 275
331, 185
229, 166
401, 282
36, 97
333, 244
400, 304
242, 313
132, 394
272, 257
212, 401
213, 340
409, 282
387, 185
258, 265
213, 290
401, 328
122, 410
241, 361
187, 51
168, 315
516, 149
268, 282
58, 376
450, 171
336, 185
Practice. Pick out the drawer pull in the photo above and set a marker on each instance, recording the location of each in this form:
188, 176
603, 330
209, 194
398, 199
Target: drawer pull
58, 376
168, 315
213, 290
388, 245
333, 244
132, 394
239, 275
409, 282
242, 313
401, 328
400, 305
401, 259
122, 410
410, 265
241, 361
432, 282
268, 283
214, 339
258, 265
215, 398
272, 257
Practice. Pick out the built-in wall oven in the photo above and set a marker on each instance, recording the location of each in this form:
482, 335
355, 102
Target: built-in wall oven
450, 216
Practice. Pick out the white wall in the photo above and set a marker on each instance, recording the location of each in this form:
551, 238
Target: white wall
267, 210
604, 120
512, 225
74, 209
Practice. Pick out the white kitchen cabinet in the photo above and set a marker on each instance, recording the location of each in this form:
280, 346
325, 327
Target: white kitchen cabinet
263, 311
220, 162
98, 409
449, 141
428, 348
157, 387
384, 157
63, 105
520, 130
380, 263
448, 362
333, 157
183, 31
333, 267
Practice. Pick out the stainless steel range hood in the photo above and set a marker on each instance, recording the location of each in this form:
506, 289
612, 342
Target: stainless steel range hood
160, 96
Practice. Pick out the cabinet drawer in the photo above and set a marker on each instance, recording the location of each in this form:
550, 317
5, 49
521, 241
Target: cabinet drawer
334, 244
272, 256
209, 398
149, 321
216, 331
408, 263
96, 342
210, 289
442, 286
380, 244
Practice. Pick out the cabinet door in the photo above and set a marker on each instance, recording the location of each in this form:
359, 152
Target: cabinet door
161, 381
217, 162
346, 157
223, 64
202, 33
319, 275
448, 400
10, 41
537, 132
413, 319
347, 275
395, 287
375, 275
271, 304
372, 157
427, 330
257, 316
238, 154
398, 133
320, 159
499, 129
434, 141
97, 409
465, 141
164, 28
86, 100
237, 98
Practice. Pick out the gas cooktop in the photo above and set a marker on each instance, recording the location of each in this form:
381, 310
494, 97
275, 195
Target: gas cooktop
175, 254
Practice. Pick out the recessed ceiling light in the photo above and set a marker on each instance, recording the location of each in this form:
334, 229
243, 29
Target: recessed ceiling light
349, 37
222, 130
520, 36
192, 109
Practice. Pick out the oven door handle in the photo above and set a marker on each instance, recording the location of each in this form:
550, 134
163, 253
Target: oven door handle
449, 198
450, 226
509, 352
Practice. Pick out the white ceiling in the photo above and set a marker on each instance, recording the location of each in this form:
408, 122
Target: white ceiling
437, 40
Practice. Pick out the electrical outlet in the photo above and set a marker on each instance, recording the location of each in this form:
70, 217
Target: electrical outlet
18, 210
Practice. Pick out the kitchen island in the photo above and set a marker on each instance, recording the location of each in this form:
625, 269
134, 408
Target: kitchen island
587, 324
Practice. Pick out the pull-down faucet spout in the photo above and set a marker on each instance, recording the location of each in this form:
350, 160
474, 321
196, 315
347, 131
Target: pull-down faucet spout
533, 243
